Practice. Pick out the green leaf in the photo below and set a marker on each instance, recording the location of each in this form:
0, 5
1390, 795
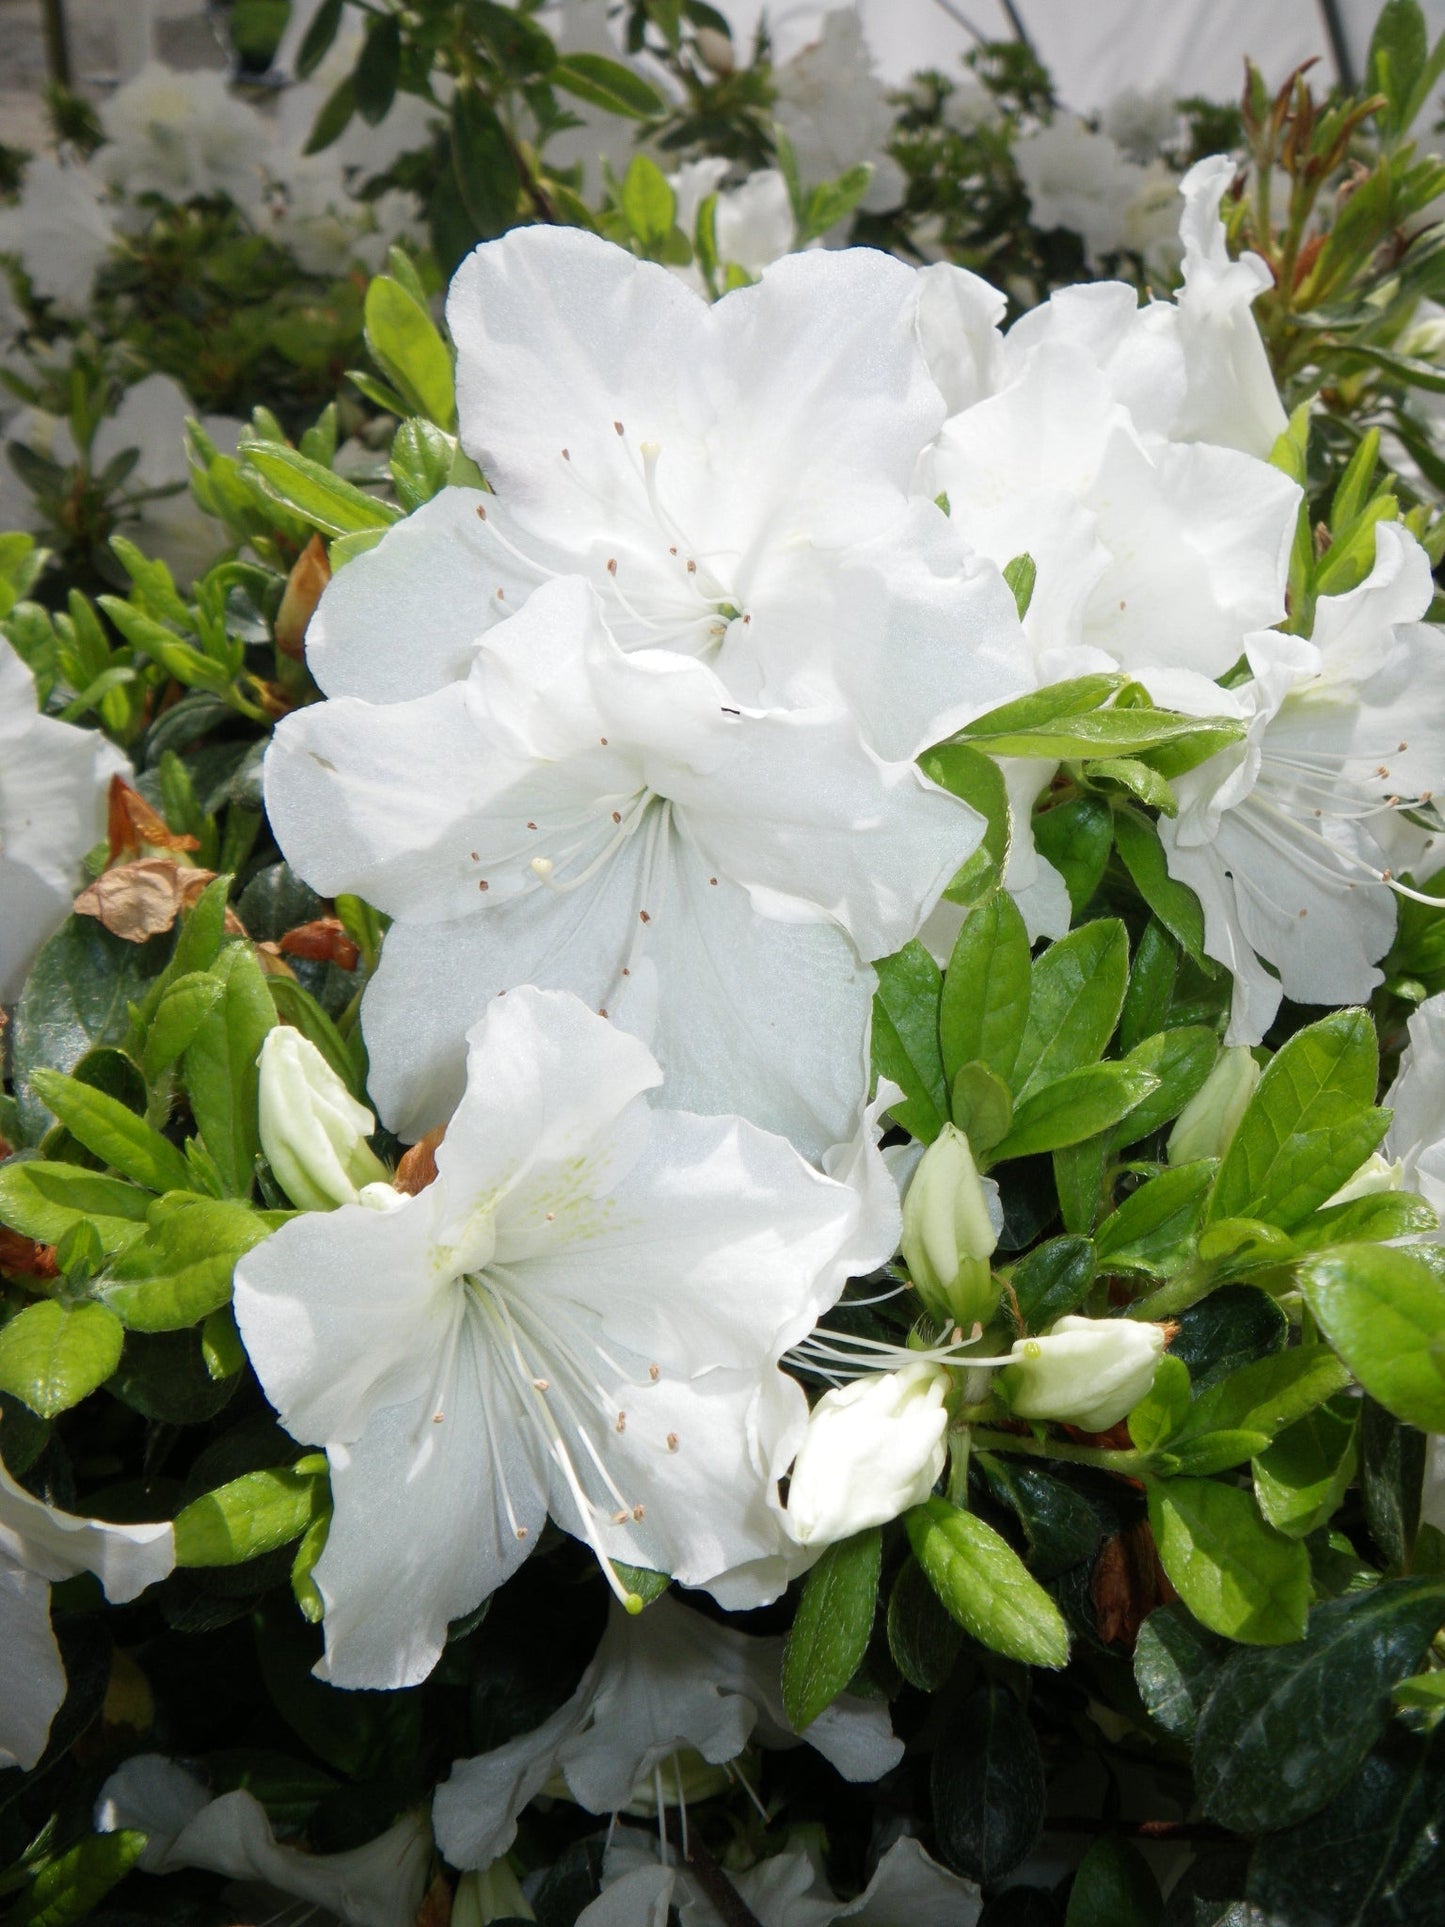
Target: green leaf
406, 346
1155, 1228
1114, 1888
68, 1888
1076, 993
1398, 51
185, 1004
1062, 1528
257, 1513
221, 1075
987, 1784
1076, 838
985, 1585
1309, 1126
985, 1000
922, 1638
378, 68
179, 1270
1173, 903
1021, 574
1305, 1473
483, 162
1234, 1573
607, 83
1371, 1858
1073, 1107
905, 1038
326, 501
1163, 1408
115, 1134
1226, 1330
982, 1107
1267, 1395
1176, 1663
43, 1200
1383, 1310
833, 201
1151, 986
648, 203
967, 773
1181, 1059
1106, 732
53, 1355
830, 1631
1392, 1476
1286, 1727
420, 461
1050, 1280
298, 1007
316, 43
333, 119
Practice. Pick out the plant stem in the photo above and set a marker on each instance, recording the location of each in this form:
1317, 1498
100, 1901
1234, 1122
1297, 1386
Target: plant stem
1105, 1458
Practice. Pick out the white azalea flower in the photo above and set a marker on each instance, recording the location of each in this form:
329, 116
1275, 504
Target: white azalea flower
59, 230
378, 1885
1285, 836
908, 1889
612, 824
1077, 179
53, 783
872, 1449
182, 135
1416, 1137
753, 223
669, 1683
836, 113
39, 1544
1085, 1371
1143, 122
581, 1316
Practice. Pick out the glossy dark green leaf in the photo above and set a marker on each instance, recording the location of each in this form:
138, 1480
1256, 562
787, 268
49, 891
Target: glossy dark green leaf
988, 1785
830, 1630
378, 68
905, 1039
1286, 1727
1114, 1887
1061, 1527
1173, 903
985, 998
1176, 1663
316, 42
1076, 993
1181, 1059
1226, 1330
922, 1638
1076, 838
1392, 1472
1050, 1280
1152, 976
979, 781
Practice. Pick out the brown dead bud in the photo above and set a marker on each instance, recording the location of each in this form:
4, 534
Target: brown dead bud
309, 575
323, 940
23, 1258
1128, 1584
436, 1907
272, 963
418, 1166
140, 900
133, 826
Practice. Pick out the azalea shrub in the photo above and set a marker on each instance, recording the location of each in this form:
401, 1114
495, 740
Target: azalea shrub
724, 961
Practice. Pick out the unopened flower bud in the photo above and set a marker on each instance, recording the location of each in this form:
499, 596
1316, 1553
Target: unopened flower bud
313, 1130
715, 50
1377, 1173
1211, 1117
872, 1449
493, 1894
1085, 1371
949, 1235
309, 575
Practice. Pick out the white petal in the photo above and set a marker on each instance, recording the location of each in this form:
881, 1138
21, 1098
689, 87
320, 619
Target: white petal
909, 1886
475, 1809
32, 1678
56, 1544
642, 1897
958, 321
1417, 1097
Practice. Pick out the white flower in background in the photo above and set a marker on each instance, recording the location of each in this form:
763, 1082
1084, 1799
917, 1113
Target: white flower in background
601, 140
1416, 1137
53, 783
581, 1316
1143, 122
1083, 1371
39, 1544
182, 135
378, 1885
1077, 179
611, 824
665, 1694
872, 1449
753, 223
1288, 837
59, 230
361, 150
789, 1889
309, 210
313, 1130
835, 112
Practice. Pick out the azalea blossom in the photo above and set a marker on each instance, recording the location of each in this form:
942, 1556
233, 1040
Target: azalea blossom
834, 111
1288, 837
60, 230
39, 1544
581, 1316
1084, 1371
182, 135
1416, 1137
1077, 178
786, 1890
53, 783
872, 1449
667, 1693
378, 1885
613, 824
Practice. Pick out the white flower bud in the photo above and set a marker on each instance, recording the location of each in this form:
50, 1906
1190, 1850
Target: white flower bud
949, 1234
1377, 1173
493, 1894
715, 50
872, 1449
313, 1131
1086, 1371
1211, 1117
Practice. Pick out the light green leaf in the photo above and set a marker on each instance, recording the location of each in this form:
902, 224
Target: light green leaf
1302, 1477
1235, 1574
985, 1585
255, 1514
1155, 1228
1383, 1310
1076, 993
985, 1000
406, 346
54, 1355
1163, 1408
1073, 1107
829, 1634
325, 500
648, 203
67, 1889
43, 1200
114, 1133
221, 1076
185, 1003
179, 1270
